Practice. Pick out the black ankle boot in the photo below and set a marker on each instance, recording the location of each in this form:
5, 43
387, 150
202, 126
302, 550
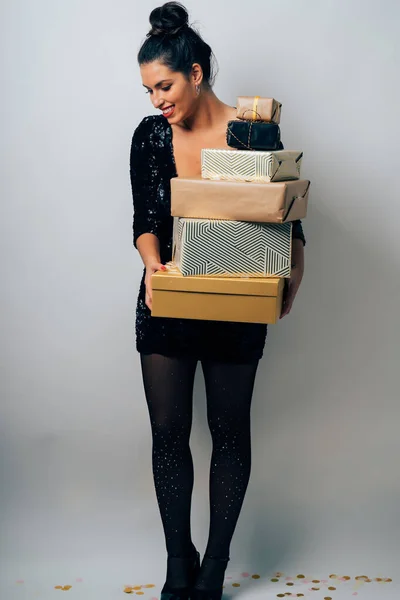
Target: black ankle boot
208, 585
181, 575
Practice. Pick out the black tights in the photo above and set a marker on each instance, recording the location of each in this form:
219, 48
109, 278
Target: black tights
168, 384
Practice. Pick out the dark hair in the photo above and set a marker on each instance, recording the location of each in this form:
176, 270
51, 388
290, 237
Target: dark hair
176, 44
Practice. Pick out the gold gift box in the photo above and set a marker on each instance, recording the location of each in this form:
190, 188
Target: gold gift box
277, 202
256, 108
240, 300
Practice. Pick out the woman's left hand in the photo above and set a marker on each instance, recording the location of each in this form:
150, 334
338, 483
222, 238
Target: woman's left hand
290, 292
296, 276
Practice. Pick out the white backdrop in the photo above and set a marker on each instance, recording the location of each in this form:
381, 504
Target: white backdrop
76, 490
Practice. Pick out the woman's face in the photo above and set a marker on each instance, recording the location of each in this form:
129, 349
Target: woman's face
169, 91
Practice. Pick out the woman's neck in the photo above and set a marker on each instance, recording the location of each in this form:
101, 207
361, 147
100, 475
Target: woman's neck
209, 112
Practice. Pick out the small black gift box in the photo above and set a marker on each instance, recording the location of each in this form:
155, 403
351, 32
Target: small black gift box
250, 135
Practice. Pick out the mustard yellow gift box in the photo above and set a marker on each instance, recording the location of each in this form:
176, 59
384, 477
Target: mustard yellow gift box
241, 300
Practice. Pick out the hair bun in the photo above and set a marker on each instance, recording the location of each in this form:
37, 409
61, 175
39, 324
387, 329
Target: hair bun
168, 19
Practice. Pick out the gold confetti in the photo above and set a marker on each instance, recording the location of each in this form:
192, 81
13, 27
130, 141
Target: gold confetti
300, 576
64, 588
315, 589
331, 589
280, 595
255, 576
346, 578
235, 584
327, 598
139, 593
315, 581
149, 585
274, 579
290, 583
278, 574
332, 576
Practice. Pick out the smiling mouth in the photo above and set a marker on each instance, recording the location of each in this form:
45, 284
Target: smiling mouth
169, 110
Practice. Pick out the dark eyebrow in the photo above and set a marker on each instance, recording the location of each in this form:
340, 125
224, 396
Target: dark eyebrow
159, 84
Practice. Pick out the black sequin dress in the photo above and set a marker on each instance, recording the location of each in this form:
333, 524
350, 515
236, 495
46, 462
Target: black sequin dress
152, 166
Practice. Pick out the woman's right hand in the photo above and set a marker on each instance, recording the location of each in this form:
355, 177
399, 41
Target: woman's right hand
151, 267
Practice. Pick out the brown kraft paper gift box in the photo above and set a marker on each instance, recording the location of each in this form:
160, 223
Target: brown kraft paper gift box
278, 202
240, 300
256, 108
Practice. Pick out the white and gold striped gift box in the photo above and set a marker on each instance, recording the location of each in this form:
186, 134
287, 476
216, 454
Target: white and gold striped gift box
216, 247
243, 165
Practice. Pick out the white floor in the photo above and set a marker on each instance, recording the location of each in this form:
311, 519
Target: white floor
37, 581
75, 519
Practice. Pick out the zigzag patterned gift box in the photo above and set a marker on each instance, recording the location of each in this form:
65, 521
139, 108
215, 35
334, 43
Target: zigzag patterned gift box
235, 248
241, 165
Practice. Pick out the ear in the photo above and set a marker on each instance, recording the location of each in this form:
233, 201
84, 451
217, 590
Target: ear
197, 74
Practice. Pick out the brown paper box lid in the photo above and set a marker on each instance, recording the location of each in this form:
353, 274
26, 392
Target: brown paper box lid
173, 280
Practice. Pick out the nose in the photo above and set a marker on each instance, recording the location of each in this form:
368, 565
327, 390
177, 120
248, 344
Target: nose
157, 100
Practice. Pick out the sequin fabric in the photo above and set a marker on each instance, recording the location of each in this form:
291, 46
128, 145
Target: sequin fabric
152, 166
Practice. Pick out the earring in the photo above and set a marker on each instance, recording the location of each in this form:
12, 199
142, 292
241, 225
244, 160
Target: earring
197, 89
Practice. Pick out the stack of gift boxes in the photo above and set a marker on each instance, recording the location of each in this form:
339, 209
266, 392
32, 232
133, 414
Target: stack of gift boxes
232, 238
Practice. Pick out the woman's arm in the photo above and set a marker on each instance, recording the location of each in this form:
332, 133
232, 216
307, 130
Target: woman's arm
147, 217
298, 243
145, 179
148, 246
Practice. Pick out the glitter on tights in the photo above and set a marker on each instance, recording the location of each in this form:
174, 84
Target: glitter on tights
168, 384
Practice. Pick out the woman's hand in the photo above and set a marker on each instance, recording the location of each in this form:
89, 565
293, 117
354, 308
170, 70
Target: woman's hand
296, 276
151, 267
290, 291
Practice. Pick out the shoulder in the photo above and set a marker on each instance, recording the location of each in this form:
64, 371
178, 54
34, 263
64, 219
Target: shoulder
151, 141
151, 128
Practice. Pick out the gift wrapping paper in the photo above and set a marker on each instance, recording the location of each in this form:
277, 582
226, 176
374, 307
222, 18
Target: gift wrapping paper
237, 248
249, 135
256, 108
241, 165
275, 202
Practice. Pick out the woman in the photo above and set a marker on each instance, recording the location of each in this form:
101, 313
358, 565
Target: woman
175, 66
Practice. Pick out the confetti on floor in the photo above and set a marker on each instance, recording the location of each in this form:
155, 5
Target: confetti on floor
138, 589
319, 584
310, 587
65, 588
